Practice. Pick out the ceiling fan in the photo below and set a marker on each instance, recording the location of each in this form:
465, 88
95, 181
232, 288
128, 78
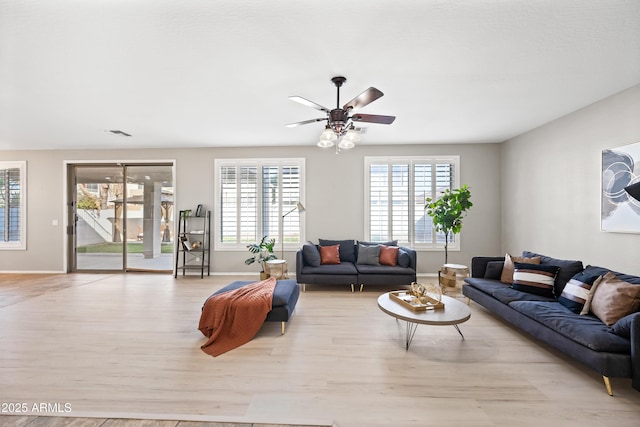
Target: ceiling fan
340, 121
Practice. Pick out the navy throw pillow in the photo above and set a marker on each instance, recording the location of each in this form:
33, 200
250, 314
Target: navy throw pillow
534, 278
404, 259
578, 292
311, 254
347, 248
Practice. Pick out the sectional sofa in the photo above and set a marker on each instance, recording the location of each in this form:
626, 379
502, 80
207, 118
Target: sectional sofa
351, 263
589, 313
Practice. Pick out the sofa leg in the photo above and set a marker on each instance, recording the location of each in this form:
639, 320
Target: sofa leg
352, 288
304, 287
607, 384
283, 328
361, 286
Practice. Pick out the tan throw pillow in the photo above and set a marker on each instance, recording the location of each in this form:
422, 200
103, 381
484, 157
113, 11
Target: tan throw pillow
614, 299
389, 255
330, 254
507, 270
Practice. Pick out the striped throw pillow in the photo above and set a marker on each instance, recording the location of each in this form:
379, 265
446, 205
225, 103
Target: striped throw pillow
534, 278
578, 292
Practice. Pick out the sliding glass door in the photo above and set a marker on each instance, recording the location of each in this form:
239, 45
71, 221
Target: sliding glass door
121, 217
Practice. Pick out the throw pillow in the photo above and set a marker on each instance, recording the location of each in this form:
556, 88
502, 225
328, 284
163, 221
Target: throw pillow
404, 259
507, 269
369, 255
347, 248
614, 299
534, 278
311, 254
568, 268
623, 326
389, 255
330, 254
494, 270
389, 243
578, 292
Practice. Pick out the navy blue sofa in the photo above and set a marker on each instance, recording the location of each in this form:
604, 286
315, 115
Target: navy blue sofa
612, 351
349, 272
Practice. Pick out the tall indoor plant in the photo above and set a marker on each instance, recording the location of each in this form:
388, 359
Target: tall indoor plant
447, 212
262, 252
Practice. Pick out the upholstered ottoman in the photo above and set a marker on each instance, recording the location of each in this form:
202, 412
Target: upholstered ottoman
285, 297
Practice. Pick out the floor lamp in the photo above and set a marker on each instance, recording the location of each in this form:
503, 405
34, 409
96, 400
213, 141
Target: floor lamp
300, 208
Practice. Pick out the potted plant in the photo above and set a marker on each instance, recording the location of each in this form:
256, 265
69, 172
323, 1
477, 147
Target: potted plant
447, 212
263, 252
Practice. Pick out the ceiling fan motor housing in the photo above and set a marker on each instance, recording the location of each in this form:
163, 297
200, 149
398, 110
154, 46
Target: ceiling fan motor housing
338, 119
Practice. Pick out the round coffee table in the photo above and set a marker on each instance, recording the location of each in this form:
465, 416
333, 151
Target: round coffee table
454, 313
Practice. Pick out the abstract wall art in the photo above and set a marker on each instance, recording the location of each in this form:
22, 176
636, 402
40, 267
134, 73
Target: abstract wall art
620, 213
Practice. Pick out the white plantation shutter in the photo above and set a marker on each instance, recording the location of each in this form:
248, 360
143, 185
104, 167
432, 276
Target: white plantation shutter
13, 205
253, 197
397, 189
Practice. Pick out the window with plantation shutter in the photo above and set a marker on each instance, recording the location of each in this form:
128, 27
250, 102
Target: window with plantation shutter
13, 196
253, 196
396, 192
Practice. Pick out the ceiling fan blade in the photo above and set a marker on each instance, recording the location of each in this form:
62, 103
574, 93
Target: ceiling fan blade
365, 98
373, 118
308, 103
305, 122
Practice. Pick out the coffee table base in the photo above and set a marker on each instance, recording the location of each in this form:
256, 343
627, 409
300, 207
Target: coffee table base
410, 332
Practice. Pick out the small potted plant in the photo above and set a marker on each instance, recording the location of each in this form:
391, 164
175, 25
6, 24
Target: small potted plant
262, 252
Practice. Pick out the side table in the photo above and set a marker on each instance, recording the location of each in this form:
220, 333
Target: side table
277, 268
451, 277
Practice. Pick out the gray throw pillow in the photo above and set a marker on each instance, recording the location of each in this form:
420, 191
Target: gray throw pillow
369, 255
311, 254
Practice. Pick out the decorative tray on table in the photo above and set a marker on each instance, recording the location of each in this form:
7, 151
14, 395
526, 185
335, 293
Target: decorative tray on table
417, 299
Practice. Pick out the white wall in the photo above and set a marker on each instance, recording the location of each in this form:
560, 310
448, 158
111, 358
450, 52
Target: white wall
551, 185
334, 197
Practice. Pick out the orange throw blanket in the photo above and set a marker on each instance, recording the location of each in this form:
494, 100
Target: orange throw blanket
233, 318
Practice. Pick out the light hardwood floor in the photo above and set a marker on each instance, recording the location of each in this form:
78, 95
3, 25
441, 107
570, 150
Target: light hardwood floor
113, 346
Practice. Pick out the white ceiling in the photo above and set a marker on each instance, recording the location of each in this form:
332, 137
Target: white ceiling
205, 73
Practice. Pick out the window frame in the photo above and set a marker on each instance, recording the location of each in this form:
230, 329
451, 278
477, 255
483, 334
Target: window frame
454, 244
218, 245
21, 244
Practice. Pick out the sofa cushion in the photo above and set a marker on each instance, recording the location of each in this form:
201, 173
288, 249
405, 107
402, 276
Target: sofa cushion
330, 254
342, 268
404, 259
502, 292
614, 298
494, 270
347, 248
507, 270
586, 330
389, 243
389, 255
369, 255
311, 254
568, 268
534, 278
578, 292
383, 269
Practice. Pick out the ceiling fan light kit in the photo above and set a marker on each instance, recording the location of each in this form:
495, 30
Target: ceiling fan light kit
339, 122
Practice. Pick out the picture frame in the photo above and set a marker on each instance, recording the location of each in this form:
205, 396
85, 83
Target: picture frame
620, 213
199, 210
